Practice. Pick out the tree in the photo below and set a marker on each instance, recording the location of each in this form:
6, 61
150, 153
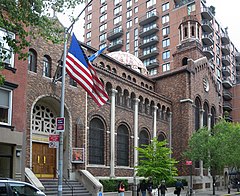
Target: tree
217, 148
18, 16
155, 161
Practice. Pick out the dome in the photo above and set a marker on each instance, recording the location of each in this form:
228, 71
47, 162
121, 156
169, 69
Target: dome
129, 60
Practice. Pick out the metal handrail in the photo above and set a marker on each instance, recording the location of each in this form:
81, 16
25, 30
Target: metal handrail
68, 184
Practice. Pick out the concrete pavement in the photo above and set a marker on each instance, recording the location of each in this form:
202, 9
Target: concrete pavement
206, 193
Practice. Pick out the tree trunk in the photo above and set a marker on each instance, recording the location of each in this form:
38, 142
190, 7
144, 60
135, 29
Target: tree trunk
214, 183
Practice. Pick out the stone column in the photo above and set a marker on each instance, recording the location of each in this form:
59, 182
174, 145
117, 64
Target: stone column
155, 121
182, 32
197, 30
201, 125
170, 132
136, 102
112, 133
189, 29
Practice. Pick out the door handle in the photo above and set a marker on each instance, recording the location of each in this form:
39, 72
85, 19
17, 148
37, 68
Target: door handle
38, 159
44, 159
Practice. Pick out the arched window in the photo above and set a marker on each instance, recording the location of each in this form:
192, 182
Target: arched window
205, 114
114, 70
124, 75
213, 117
122, 146
32, 60
184, 61
47, 66
108, 67
143, 138
161, 137
192, 31
185, 32
197, 114
96, 142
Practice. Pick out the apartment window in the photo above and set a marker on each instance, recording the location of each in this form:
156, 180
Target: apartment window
166, 55
166, 67
129, 13
5, 106
32, 60
47, 66
136, 20
191, 8
6, 54
117, 2
218, 61
88, 43
127, 37
149, 61
89, 8
129, 3
102, 1
117, 10
103, 37
136, 34
103, 27
104, 45
129, 24
165, 18
136, 10
88, 35
117, 20
166, 42
165, 6
103, 18
218, 50
127, 47
218, 73
89, 25
151, 3
153, 71
166, 31
136, 1
148, 50
103, 9
136, 53
89, 16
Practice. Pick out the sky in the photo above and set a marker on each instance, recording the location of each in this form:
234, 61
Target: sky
227, 14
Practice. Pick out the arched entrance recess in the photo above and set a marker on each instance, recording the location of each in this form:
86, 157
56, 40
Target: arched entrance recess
44, 158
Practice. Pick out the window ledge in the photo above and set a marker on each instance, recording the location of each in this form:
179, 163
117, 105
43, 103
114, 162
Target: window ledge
7, 67
7, 126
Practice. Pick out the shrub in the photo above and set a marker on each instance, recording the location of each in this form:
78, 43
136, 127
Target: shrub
111, 185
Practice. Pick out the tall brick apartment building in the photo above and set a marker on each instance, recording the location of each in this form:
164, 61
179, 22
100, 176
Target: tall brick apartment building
12, 112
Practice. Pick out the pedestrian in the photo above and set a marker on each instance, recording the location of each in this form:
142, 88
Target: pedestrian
162, 188
121, 188
178, 187
143, 187
149, 186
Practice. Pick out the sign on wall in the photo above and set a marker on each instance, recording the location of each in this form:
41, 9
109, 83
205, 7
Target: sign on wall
77, 155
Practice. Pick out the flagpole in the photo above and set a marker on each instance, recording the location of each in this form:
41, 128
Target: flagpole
60, 149
60, 155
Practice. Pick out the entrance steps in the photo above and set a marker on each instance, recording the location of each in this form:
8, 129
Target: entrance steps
70, 188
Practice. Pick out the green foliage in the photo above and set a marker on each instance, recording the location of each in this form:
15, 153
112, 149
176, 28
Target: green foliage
217, 148
27, 18
155, 162
111, 185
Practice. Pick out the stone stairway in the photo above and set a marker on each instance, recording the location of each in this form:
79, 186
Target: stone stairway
70, 188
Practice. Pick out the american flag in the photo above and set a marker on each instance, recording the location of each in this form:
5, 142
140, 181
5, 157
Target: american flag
82, 71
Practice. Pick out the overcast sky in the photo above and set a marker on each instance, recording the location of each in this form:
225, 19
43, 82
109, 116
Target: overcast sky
227, 14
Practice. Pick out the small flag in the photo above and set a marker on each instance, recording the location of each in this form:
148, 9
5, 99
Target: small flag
82, 71
95, 55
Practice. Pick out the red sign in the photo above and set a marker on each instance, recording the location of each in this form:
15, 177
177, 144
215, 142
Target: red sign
54, 138
188, 162
60, 124
53, 141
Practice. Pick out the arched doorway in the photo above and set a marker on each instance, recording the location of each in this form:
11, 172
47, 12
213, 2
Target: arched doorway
43, 124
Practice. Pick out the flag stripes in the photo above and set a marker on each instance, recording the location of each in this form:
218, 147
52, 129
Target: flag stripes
82, 71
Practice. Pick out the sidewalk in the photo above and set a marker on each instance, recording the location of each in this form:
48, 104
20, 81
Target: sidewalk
206, 193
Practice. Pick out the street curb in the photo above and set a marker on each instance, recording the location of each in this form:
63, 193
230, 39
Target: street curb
238, 193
